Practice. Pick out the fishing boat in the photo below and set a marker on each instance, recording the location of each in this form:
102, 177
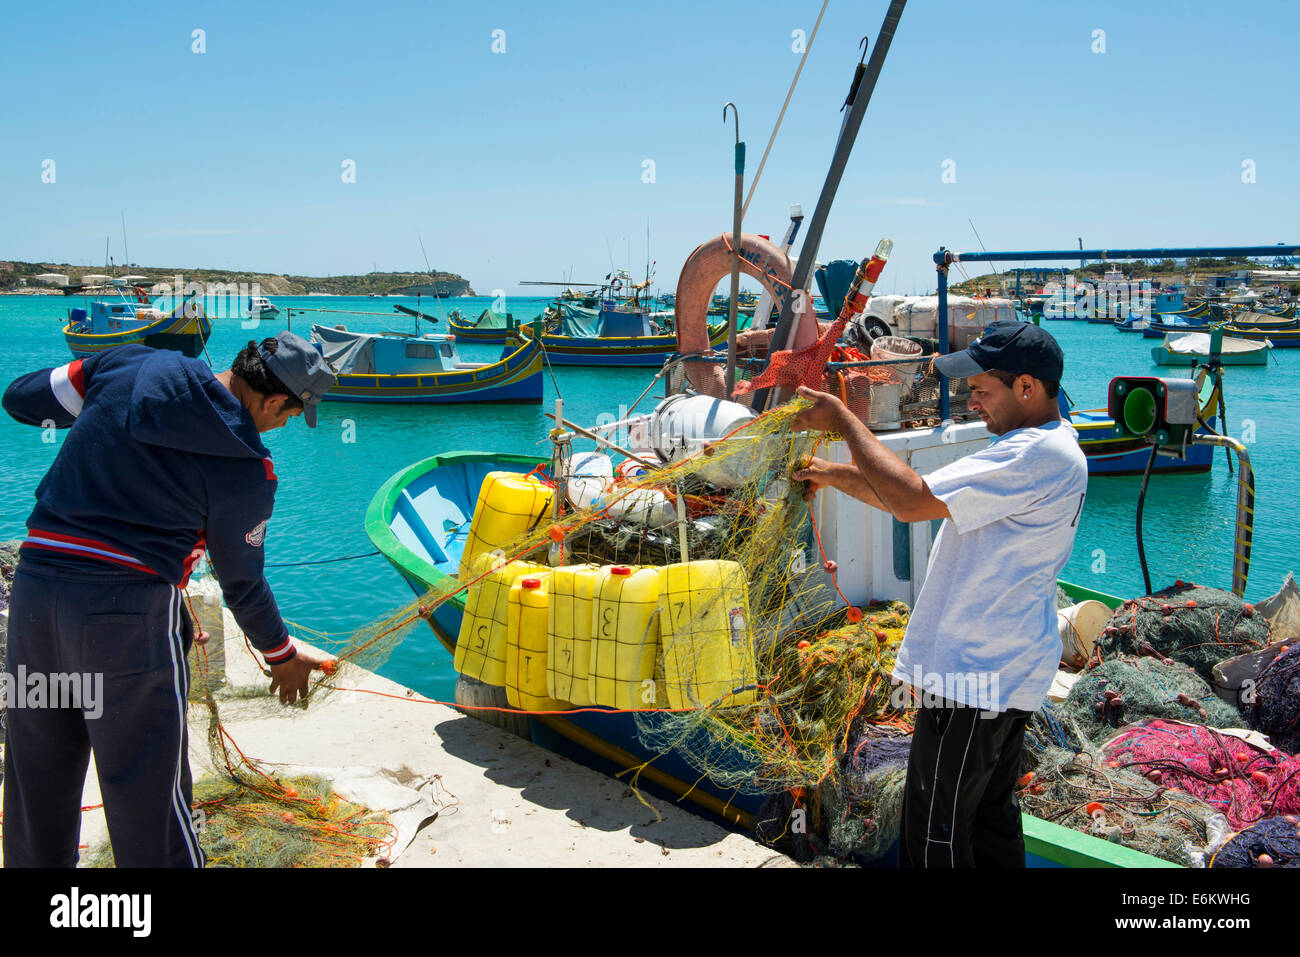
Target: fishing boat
419, 521
1247, 319
185, 328
1288, 338
261, 307
1159, 328
613, 337
1195, 347
390, 367
490, 328
1134, 323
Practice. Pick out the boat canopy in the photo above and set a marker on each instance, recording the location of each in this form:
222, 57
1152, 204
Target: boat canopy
492, 320
347, 352
581, 322
1198, 344
369, 353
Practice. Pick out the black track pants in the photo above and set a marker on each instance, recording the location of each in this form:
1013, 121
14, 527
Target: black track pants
134, 636
959, 805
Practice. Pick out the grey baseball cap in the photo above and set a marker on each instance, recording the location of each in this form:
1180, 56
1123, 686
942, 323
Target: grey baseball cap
302, 369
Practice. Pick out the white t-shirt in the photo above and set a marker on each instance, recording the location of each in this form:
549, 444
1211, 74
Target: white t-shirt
983, 632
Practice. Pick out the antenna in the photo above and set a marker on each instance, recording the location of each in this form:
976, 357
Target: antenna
126, 253
433, 282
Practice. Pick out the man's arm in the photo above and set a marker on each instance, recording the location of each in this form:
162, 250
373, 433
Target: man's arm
899, 489
48, 395
842, 477
235, 537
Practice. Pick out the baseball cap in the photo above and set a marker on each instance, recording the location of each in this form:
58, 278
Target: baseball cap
1020, 348
302, 369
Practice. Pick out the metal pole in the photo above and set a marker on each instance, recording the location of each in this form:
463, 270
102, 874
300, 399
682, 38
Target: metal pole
864, 82
735, 250
944, 412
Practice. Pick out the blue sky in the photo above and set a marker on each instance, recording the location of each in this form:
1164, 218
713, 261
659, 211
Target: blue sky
525, 164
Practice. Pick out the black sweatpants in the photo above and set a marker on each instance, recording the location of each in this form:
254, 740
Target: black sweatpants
135, 634
959, 803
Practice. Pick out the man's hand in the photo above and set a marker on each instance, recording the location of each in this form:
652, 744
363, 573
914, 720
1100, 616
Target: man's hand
290, 677
826, 414
820, 473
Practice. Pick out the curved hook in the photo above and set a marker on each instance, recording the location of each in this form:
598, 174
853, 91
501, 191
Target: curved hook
735, 115
863, 44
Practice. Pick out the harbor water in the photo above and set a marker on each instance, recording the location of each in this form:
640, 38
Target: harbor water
328, 475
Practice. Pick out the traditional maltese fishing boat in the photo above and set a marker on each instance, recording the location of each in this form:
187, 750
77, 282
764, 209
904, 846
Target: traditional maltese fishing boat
185, 328
387, 367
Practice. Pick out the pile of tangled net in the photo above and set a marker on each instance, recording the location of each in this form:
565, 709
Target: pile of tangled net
1274, 842
1244, 783
245, 826
856, 815
1195, 626
1121, 691
1082, 791
1051, 727
1275, 708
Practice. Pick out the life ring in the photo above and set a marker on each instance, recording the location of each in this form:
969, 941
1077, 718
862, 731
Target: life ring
703, 269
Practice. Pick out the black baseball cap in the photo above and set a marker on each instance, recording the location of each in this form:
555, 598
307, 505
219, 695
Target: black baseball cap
1020, 348
302, 369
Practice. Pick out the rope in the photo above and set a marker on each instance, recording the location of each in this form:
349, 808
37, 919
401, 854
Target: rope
320, 561
780, 116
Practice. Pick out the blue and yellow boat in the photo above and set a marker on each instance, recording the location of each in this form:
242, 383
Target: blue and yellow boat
185, 328
420, 519
491, 328
388, 367
613, 337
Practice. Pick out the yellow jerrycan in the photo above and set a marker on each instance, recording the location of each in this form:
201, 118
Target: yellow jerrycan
625, 625
509, 504
571, 594
708, 645
481, 644
526, 646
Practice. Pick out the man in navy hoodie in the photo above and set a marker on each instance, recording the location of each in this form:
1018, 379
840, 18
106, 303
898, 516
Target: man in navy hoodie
163, 461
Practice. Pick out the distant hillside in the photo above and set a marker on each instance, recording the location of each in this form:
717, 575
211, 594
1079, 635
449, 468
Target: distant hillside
1166, 271
380, 283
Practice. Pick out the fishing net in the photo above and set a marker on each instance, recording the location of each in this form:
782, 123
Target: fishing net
1275, 708
1196, 626
249, 826
1274, 842
799, 729
1122, 691
1051, 727
1244, 783
1082, 791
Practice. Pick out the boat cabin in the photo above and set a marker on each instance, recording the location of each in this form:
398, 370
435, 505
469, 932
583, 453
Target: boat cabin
367, 353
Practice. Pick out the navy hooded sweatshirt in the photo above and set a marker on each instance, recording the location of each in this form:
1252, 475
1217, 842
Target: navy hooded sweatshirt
161, 463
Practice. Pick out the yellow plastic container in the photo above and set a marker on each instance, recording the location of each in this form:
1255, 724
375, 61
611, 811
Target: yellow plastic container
526, 646
509, 504
708, 646
481, 645
625, 626
571, 594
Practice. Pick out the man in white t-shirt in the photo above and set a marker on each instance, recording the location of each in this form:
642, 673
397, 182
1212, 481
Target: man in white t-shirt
982, 646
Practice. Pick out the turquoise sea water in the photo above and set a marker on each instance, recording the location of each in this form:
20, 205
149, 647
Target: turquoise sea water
327, 482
